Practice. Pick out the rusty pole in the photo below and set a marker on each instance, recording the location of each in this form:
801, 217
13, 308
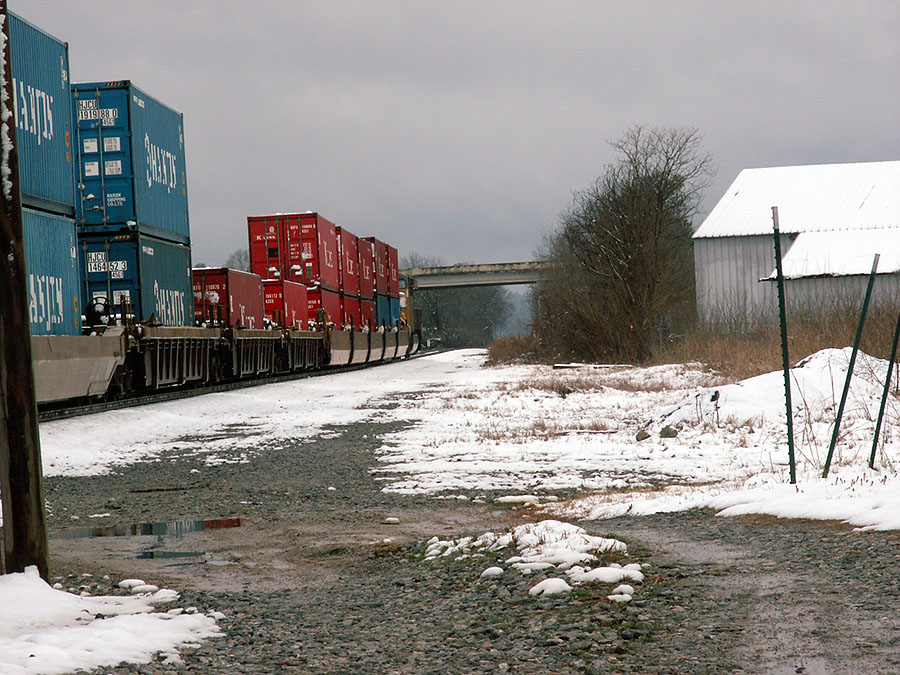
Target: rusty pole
21, 478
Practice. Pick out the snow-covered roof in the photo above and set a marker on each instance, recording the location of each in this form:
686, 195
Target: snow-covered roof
825, 197
842, 253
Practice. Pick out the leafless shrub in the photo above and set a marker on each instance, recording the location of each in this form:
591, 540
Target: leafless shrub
511, 349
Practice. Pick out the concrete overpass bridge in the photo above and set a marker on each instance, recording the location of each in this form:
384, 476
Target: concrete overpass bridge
494, 274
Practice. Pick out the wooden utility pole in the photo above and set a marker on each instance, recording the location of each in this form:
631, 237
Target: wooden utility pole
21, 477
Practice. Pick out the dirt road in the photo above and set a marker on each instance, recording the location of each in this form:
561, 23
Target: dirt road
291, 544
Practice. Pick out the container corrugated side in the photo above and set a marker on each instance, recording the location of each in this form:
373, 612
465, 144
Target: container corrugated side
350, 310
367, 312
366, 268
320, 259
381, 266
395, 311
287, 300
322, 298
131, 162
382, 310
153, 274
43, 108
229, 295
265, 236
393, 271
348, 252
51, 266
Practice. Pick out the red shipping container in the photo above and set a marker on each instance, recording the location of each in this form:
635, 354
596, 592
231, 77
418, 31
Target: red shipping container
299, 247
348, 250
366, 267
288, 300
350, 310
367, 311
265, 235
393, 272
319, 251
381, 266
230, 297
322, 298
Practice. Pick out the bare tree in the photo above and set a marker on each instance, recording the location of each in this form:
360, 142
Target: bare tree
624, 263
238, 259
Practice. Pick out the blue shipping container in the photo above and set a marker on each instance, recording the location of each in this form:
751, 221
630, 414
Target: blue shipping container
395, 311
154, 275
43, 106
131, 162
51, 264
382, 310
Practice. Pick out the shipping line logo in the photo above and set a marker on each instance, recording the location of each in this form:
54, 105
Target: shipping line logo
160, 166
34, 111
46, 300
169, 305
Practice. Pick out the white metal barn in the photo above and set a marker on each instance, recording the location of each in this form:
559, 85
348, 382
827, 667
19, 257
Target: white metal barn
833, 219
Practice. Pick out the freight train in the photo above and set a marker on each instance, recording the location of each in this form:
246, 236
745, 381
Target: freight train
116, 307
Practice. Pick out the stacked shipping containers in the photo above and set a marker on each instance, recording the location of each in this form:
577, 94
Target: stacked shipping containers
367, 281
299, 247
393, 270
131, 201
348, 253
321, 266
387, 283
40, 74
355, 280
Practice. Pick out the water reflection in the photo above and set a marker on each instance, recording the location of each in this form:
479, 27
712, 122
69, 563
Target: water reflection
175, 527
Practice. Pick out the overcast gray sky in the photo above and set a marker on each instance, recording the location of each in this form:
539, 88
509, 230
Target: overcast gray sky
460, 130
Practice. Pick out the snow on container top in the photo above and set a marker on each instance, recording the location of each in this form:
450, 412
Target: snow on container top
43, 108
381, 266
131, 164
348, 251
366, 268
228, 297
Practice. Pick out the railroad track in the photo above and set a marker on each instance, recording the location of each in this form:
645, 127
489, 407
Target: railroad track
176, 393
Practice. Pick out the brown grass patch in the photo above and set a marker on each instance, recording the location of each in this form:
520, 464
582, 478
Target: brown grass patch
754, 351
511, 349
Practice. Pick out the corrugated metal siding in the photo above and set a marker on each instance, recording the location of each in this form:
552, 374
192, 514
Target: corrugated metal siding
153, 274
730, 296
43, 107
809, 199
728, 270
51, 264
824, 294
131, 157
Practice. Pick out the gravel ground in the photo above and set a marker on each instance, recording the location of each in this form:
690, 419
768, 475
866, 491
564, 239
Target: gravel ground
308, 583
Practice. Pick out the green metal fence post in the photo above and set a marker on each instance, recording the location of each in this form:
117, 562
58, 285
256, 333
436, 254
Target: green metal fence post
859, 330
884, 394
784, 346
